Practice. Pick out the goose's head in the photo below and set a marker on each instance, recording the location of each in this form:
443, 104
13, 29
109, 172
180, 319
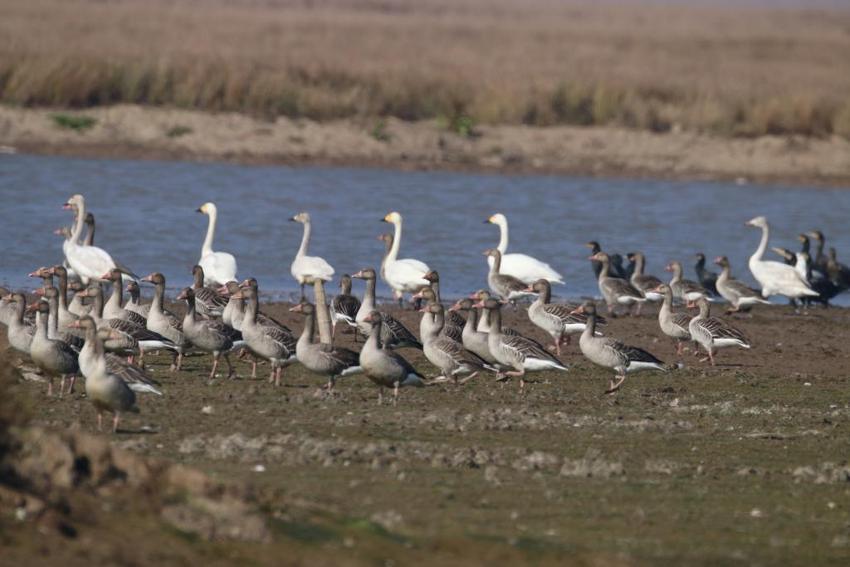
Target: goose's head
302, 217
803, 237
540, 286
74, 203
393, 217
673, 266
374, 317
207, 209
155, 278
758, 222
432, 276
588, 308
425, 292
492, 252
304, 307
187, 294
599, 256
594, 246
364, 274
497, 219
84, 323
700, 257
817, 235
64, 232
464, 304
722, 261
42, 272
489, 304
663, 289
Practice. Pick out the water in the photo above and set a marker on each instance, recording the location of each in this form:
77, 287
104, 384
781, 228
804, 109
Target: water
145, 217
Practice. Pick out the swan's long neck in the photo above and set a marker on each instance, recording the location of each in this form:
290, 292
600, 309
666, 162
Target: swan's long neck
393, 253
503, 237
305, 239
759, 253
79, 222
208, 241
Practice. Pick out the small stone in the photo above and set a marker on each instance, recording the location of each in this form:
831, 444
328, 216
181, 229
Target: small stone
756, 513
207, 410
259, 468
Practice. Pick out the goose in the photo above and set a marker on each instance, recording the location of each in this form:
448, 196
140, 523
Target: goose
208, 301
641, 281
114, 308
472, 339
210, 335
51, 298
507, 287
558, 321
316, 357
234, 311
105, 390
520, 266
393, 333
54, 357
706, 277
164, 322
134, 303
307, 268
838, 273
65, 314
88, 262
6, 309
385, 367
449, 356
775, 278
264, 338
453, 317
406, 275
344, 307
481, 296
820, 259
737, 293
713, 333
515, 352
674, 325
686, 291
615, 263
616, 291
21, 331
611, 353
131, 338
219, 267
448, 329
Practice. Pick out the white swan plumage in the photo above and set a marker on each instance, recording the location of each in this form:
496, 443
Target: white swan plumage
775, 278
520, 266
406, 275
307, 268
219, 267
88, 262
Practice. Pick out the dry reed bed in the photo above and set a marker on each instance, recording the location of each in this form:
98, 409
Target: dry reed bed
732, 71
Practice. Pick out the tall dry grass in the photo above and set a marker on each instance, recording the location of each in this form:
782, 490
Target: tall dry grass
735, 71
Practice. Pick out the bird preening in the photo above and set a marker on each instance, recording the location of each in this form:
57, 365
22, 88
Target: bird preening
102, 335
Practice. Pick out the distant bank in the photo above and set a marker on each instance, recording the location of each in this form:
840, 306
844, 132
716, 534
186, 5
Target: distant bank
143, 132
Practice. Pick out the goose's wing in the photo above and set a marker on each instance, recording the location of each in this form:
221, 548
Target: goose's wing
346, 306
637, 354
741, 289
267, 321
565, 313
281, 336
393, 332
682, 321
134, 330
621, 288
459, 354
646, 282
135, 377
690, 286
135, 317
720, 329
527, 348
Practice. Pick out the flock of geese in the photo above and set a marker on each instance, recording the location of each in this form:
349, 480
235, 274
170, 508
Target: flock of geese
105, 339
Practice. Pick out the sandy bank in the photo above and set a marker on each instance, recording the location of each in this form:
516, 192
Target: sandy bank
142, 132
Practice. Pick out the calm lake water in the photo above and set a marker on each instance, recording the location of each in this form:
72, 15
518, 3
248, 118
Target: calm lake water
145, 217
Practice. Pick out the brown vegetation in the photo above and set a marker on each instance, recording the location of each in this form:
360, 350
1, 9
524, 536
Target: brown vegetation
725, 70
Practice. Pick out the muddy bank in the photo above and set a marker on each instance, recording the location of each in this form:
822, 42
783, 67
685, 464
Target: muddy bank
739, 464
143, 132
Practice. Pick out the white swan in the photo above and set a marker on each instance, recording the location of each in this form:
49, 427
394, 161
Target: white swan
520, 266
406, 275
775, 278
306, 268
219, 267
88, 262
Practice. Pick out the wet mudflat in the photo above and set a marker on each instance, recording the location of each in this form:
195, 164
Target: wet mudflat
743, 463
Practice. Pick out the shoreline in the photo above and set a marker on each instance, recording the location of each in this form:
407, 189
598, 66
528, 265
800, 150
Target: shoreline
145, 133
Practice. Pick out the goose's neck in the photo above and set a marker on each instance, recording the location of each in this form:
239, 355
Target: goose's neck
305, 239
53, 317
93, 343
40, 325
97, 305
497, 264
306, 337
435, 286
471, 324
639, 265
590, 327
725, 274
63, 291
503, 237
703, 310
208, 241
345, 287
374, 340
116, 300
251, 309
677, 273
495, 321
545, 296
158, 298
667, 304
369, 295
603, 272
392, 255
